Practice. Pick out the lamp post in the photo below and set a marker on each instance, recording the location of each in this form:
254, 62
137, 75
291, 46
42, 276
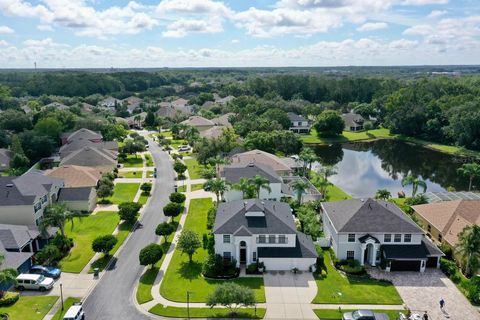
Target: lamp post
61, 294
188, 303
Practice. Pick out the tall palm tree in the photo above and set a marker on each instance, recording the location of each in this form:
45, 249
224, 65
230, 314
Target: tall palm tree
327, 171
57, 215
217, 161
469, 248
322, 185
383, 194
217, 186
470, 170
300, 187
246, 187
415, 182
260, 183
308, 157
7, 276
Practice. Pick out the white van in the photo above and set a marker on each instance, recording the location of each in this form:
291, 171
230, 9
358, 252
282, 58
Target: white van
34, 282
75, 312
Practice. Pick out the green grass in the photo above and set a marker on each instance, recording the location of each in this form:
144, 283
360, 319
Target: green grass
149, 174
347, 136
334, 193
176, 143
143, 199
195, 187
124, 192
130, 174
194, 168
149, 160
133, 161
30, 307
123, 231
334, 314
182, 188
166, 134
66, 304
176, 312
353, 289
84, 231
182, 275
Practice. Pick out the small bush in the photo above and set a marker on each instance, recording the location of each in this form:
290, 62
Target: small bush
351, 267
211, 217
177, 197
448, 267
9, 298
252, 268
323, 274
216, 267
146, 187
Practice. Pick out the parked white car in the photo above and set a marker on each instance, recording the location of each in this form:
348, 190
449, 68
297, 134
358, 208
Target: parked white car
75, 312
183, 148
27, 281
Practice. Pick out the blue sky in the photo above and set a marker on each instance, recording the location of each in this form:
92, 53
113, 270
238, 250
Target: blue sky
203, 33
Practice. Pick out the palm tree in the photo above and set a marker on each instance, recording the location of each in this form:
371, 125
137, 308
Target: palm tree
217, 186
259, 183
217, 161
470, 170
246, 187
322, 185
57, 215
7, 276
327, 171
191, 134
469, 248
383, 194
308, 157
300, 187
415, 182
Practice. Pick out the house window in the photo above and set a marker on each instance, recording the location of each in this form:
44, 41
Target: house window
271, 239
226, 238
377, 257
387, 237
254, 258
262, 239
282, 239
44, 199
407, 238
398, 238
429, 228
351, 237
37, 206
227, 255
350, 255
440, 237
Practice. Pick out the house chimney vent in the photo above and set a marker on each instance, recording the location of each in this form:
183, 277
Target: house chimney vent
9, 185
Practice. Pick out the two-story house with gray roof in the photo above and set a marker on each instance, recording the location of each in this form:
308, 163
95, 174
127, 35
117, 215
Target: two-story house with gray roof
299, 124
255, 230
377, 232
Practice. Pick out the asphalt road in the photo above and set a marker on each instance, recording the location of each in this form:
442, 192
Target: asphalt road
112, 297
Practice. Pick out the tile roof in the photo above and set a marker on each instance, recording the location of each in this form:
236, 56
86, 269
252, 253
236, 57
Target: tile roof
75, 176
259, 156
450, 217
233, 173
369, 216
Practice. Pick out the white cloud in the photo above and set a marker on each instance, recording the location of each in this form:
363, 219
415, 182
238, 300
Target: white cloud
235, 41
47, 42
403, 44
437, 14
423, 2
5, 29
45, 27
371, 26
3, 43
183, 27
193, 7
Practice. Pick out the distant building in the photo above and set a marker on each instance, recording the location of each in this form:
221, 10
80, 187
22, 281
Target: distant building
132, 103
81, 134
5, 157
353, 122
109, 102
298, 123
200, 123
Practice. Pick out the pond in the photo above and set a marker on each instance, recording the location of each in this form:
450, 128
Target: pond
364, 167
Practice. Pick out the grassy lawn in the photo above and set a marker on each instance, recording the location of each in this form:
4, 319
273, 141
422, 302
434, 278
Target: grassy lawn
30, 307
130, 174
84, 231
66, 304
334, 314
195, 187
143, 199
182, 275
149, 174
123, 231
149, 160
346, 136
124, 192
337, 289
182, 188
176, 143
194, 168
166, 134
334, 193
176, 312
133, 161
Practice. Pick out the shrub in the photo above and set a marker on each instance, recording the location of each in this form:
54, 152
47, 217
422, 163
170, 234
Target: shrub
474, 290
172, 209
448, 267
215, 267
177, 197
252, 268
205, 241
104, 244
49, 254
352, 267
212, 212
146, 188
63, 243
323, 274
9, 298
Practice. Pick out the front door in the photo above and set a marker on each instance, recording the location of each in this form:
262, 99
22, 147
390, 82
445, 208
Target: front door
243, 255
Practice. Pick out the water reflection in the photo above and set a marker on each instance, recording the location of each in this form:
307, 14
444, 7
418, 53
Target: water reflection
363, 168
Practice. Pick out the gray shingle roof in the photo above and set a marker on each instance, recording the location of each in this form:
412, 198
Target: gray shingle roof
14, 237
352, 119
304, 248
277, 219
80, 143
74, 194
369, 216
82, 133
14, 259
296, 117
414, 251
90, 157
233, 173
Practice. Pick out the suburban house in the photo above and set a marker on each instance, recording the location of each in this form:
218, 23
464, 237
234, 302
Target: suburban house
353, 122
443, 221
224, 100
223, 120
255, 230
377, 232
102, 160
23, 199
81, 134
179, 103
106, 146
262, 157
298, 123
200, 123
213, 132
132, 103
55, 105
233, 173
5, 157
109, 102
168, 110
82, 199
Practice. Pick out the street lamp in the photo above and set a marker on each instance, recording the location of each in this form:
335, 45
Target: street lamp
188, 303
61, 294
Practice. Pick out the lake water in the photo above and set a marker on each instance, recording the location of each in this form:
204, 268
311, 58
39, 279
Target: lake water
365, 167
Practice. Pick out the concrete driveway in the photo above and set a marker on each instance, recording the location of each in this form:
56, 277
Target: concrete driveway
423, 291
73, 285
289, 295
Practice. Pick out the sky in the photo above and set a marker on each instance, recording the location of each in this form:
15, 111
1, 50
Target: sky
243, 33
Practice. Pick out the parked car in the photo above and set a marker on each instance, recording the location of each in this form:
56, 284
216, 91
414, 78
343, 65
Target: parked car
183, 148
364, 315
34, 282
46, 271
75, 312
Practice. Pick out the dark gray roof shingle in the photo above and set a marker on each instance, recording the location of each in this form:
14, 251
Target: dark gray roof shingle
233, 173
414, 251
14, 237
296, 117
74, 194
304, 248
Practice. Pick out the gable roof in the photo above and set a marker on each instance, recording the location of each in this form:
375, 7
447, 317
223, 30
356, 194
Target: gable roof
259, 156
213, 132
352, 119
233, 173
368, 216
78, 144
223, 120
75, 176
14, 237
295, 117
231, 217
14, 259
75, 194
450, 217
90, 157
83, 133
304, 248
197, 121
5, 157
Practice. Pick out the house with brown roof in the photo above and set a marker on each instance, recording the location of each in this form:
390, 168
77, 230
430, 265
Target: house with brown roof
75, 176
200, 123
262, 157
81, 134
443, 221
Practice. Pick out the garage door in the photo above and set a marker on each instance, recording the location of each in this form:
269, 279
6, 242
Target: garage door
432, 262
405, 265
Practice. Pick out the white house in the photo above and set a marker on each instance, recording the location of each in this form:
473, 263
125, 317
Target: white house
253, 230
377, 233
299, 124
233, 173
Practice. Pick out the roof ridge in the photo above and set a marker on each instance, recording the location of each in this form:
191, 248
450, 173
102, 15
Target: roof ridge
452, 218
